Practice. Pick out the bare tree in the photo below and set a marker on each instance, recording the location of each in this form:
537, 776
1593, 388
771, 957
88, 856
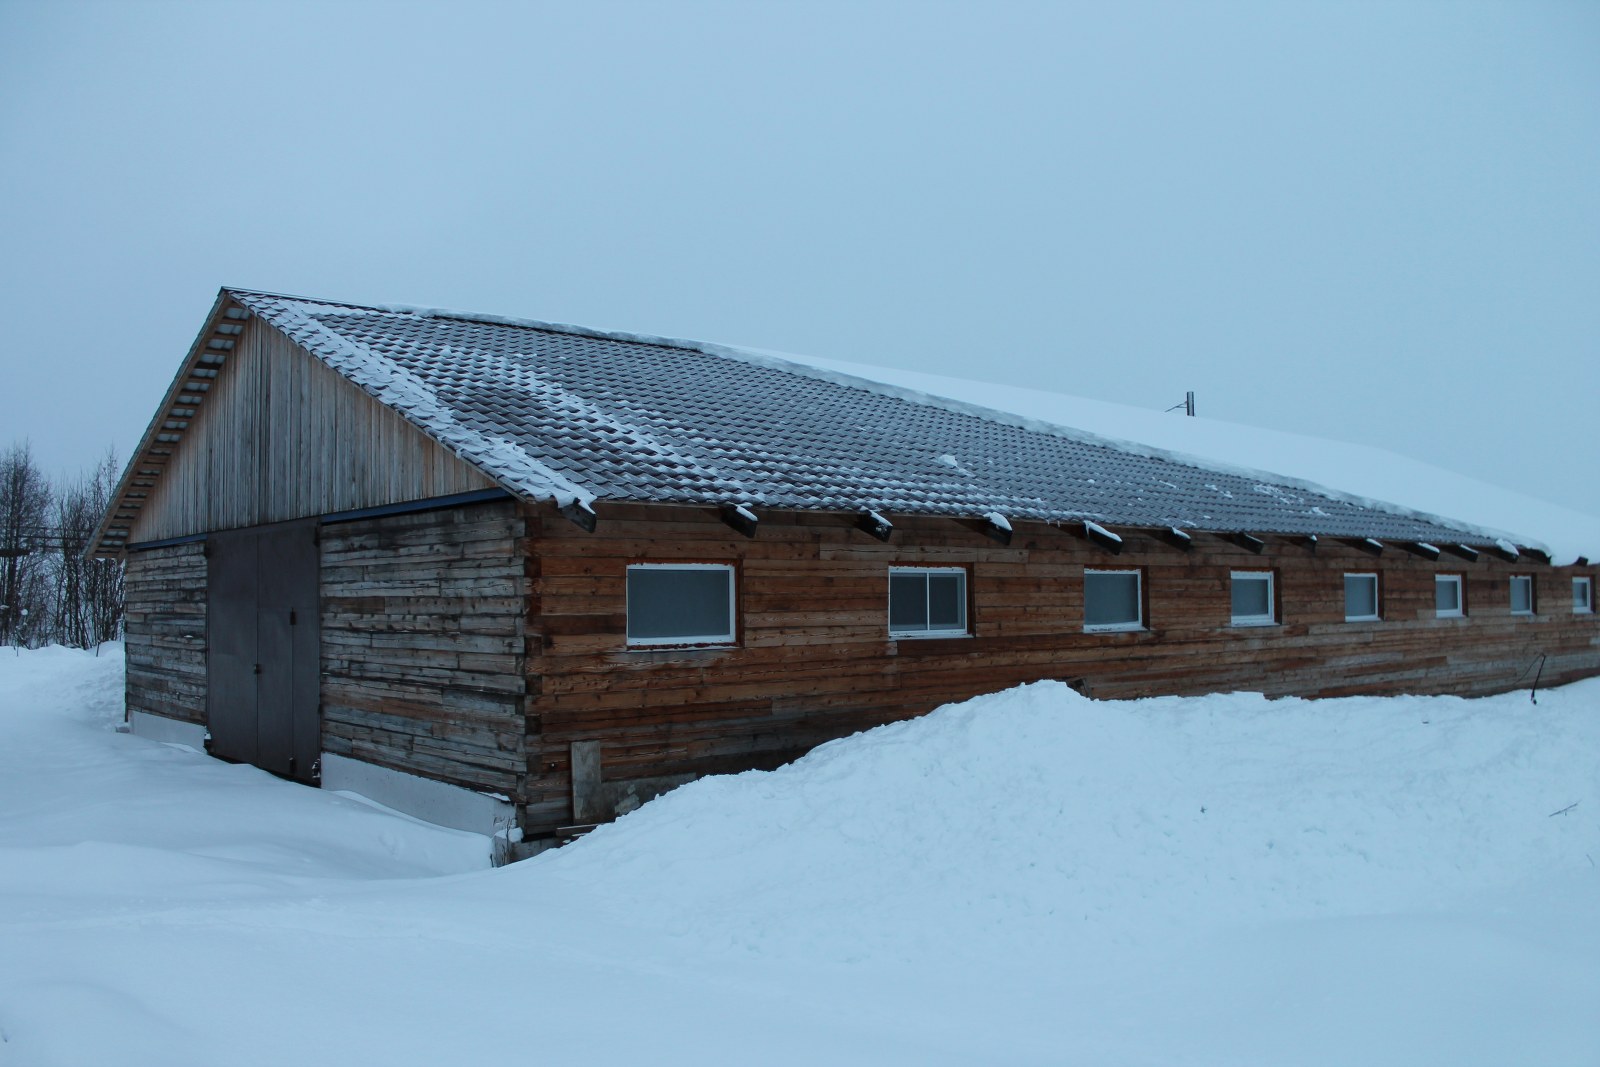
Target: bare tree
74, 521
102, 588
86, 600
24, 507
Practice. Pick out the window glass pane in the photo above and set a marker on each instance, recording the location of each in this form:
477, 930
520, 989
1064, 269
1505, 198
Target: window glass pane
908, 601
1582, 594
1446, 594
1360, 596
664, 603
1110, 599
1522, 595
947, 600
1252, 597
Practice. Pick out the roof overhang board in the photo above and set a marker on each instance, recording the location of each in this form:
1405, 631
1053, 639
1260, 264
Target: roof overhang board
1420, 548
186, 394
1248, 542
1104, 538
1176, 538
579, 513
740, 518
1466, 552
874, 525
994, 526
1370, 545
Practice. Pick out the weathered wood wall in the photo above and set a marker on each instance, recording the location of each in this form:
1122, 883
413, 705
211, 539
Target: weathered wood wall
282, 436
815, 661
166, 632
423, 637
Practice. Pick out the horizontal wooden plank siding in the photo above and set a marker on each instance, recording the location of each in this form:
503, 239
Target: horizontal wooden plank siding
166, 632
814, 660
423, 644
280, 435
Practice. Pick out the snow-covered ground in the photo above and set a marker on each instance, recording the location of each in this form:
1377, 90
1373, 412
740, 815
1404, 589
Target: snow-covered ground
1026, 878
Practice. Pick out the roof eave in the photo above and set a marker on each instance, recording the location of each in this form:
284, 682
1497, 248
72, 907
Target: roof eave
97, 542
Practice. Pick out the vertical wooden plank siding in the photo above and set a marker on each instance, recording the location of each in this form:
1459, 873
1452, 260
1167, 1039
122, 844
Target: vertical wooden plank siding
166, 632
815, 661
422, 644
282, 436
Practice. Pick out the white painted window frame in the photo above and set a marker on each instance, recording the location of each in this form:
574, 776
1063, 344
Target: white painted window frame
1377, 603
915, 635
1114, 627
1585, 605
1460, 582
697, 640
1271, 617
1533, 603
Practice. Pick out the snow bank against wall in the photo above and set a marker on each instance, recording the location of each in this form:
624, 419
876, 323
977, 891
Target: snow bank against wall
1380, 881
1044, 816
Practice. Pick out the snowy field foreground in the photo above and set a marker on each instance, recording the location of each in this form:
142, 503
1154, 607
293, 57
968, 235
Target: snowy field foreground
1026, 878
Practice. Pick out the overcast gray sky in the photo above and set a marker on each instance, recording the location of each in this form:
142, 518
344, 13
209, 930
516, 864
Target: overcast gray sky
1376, 222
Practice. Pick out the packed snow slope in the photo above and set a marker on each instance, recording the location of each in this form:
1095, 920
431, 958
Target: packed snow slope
1024, 878
1362, 473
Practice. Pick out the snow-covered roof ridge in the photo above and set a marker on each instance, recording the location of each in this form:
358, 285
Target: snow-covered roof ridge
574, 413
710, 348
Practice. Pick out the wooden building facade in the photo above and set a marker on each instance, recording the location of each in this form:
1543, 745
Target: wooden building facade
334, 574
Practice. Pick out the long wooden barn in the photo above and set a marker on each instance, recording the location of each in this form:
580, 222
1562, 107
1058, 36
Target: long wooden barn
510, 573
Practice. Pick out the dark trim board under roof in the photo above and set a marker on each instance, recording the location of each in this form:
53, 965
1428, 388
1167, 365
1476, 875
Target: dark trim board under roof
583, 416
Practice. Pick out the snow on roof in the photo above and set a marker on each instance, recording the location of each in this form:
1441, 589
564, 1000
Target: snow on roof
1362, 473
577, 415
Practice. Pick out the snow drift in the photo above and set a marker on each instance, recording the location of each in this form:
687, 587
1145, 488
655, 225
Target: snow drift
1054, 820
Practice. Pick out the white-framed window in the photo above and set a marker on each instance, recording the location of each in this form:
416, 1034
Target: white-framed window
1522, 594
1361, 598
1112, 600
1582, 596
1449, 596
680, 604
1252, 599
927, 601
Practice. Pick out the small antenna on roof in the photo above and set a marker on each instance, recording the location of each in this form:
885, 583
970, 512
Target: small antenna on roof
1187, 405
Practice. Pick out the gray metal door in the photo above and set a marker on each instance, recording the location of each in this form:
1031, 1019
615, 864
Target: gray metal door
265, 641
231, 663
287, 626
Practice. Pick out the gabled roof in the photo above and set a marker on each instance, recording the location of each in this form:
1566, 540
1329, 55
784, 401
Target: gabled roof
578, 416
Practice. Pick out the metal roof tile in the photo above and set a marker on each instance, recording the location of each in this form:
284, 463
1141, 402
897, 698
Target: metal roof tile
643, 420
